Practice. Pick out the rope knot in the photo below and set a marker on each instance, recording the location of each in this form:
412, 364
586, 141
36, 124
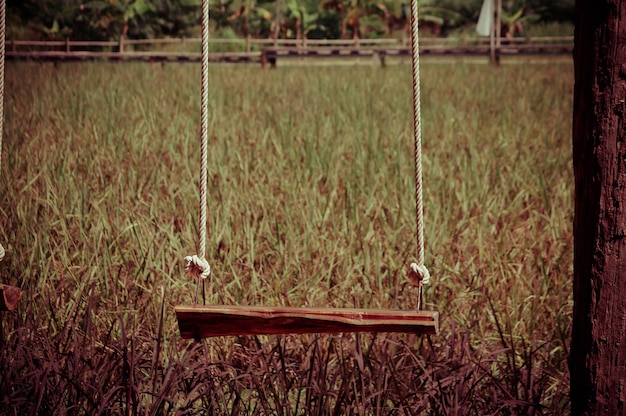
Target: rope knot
419, 274
197, 267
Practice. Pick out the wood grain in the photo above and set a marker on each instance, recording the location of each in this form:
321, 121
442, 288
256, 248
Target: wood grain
204, 321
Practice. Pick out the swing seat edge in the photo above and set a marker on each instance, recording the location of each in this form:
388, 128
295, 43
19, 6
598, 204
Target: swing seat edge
205, 321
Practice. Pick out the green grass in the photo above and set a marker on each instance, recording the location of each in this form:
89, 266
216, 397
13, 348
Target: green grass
551, 29
310, 204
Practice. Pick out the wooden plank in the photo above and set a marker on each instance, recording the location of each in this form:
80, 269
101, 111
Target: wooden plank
9, 297
450, 41
134, 56
204, 321
271, 54
469, 50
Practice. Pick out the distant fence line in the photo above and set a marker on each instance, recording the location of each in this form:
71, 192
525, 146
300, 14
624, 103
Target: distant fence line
270, 50
68, 45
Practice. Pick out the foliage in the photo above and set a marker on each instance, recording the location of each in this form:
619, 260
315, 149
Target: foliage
306, 18
100, 19
453, 13
310, 203
108, 19
553, 10
245, 17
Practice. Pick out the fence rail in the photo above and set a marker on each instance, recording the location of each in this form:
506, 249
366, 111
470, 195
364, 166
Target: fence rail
228, 57
69, 45
269, 50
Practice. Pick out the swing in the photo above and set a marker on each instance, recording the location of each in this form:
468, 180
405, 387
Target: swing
203, 321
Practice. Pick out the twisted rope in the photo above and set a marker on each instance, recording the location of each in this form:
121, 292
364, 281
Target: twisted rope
2, 42
197, 264
418, 273
197, 267
204, 127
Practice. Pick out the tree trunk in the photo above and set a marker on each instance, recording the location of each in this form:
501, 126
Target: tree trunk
598, 350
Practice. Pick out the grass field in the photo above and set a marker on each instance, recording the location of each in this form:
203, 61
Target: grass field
310, 203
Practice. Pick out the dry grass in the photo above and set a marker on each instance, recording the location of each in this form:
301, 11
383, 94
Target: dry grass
311, 203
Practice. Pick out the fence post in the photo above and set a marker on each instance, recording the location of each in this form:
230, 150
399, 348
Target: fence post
498, 30
492, 36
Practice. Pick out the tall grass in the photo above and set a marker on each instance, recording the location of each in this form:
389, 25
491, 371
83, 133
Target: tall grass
310, 204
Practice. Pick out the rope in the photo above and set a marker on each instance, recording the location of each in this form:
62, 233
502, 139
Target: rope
418, 273
2, 42
204, 129
197, 265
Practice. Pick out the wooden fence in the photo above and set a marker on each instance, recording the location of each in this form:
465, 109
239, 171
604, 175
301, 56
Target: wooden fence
270, 50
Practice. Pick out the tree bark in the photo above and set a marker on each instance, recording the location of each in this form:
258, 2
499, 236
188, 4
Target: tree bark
598, 349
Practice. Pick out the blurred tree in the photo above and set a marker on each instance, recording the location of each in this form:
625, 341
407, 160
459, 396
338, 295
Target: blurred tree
105, 19
515, 17
46, 18
357, 15
302, 17
246, 17
108, 19
176, 17
553, 10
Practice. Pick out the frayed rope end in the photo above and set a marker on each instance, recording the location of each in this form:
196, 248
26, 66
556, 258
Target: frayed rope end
419, 274
197, 267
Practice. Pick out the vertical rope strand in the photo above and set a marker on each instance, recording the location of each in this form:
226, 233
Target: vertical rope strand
197, 265
2, 43
417, 132
204, 128
418, 273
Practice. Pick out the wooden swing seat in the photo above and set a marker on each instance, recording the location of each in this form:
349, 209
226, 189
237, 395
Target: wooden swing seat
220, 320
204, 321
